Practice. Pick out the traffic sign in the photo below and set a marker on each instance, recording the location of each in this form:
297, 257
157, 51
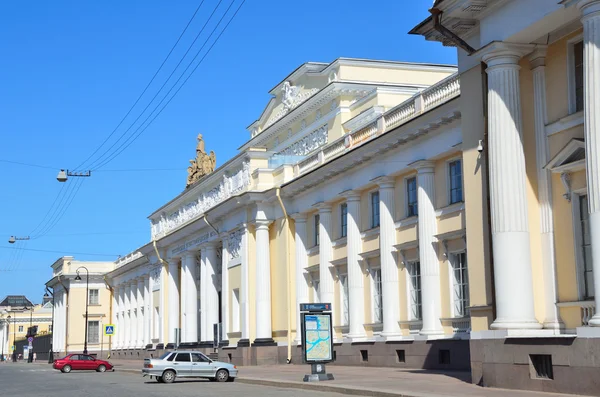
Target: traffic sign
109, 329
30, 339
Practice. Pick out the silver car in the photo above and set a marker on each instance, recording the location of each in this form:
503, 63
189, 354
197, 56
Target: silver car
188, 364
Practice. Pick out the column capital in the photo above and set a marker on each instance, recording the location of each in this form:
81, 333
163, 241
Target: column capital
351, 195
538, 57
589, 8
500, 53
323, 207
385, 182
299, 217
262, 224
424, 166
188, 254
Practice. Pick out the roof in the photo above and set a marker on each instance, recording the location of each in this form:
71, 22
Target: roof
16, 300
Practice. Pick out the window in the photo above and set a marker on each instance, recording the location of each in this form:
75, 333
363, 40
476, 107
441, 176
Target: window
235, 311
460, 284
414, 273
455, 174
344, 220
183, 358
344, 299
377, 295
199, 358
585, 246
374, 209
412, 208
93, 297
316, 291
317, 225
93, 331
20, 328
171, 357
578, 77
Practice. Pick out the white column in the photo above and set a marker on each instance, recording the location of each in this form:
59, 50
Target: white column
122, 334
325, 255
141, 313
356, 289
301, 264
147, 310
538, 66
117, 317
244, 305
134, 315
173, 301
225, 288
127, 315
190, 296
430, 266
510, 224
389, 271
590, 10
183, 292
263, 283
212, 293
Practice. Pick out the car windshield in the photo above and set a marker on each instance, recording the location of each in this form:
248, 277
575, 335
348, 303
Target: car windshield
165, 355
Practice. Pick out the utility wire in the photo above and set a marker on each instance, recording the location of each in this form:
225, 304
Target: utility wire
49, 210
60, 252
177, 91
61, 212
145, 89
27, 164
101, 159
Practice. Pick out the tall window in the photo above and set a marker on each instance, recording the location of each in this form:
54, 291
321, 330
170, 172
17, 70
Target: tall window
235, 311
461, 284
456, 189
344, 220
578, 78
93, 331
93, 297
316, 291
344, 299
412, 208
317, 223
377, 295
586, 247
374, 209
414, 273
20, 328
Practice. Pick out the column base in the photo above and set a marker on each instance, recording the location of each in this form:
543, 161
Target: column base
355, 338
224, 343
170, 346
553, 324
264, 342
206, 344
508, 324
431, 332
388, 337
244, 343
188, 344
595, 321
160, 346
149, 346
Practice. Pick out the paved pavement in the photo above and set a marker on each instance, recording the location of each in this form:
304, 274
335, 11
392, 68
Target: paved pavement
40, 380
365, 381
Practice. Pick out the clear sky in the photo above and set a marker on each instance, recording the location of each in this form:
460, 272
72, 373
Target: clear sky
71, 70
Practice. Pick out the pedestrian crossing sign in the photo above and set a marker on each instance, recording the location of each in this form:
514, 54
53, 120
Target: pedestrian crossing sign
109, 329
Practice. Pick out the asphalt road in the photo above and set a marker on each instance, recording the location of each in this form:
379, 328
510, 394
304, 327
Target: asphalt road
40, 380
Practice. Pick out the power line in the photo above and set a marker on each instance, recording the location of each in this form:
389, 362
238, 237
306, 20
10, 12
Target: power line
177, 91
67, 203
28, 164
100, 160
59, 252
115, 170
146, 88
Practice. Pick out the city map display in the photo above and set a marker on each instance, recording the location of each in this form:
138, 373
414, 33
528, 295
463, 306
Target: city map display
318, 344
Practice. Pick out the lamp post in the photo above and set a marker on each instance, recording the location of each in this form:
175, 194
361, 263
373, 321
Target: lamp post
14, 353
51, 353
7, 331
30, 355
87, 284
63, 175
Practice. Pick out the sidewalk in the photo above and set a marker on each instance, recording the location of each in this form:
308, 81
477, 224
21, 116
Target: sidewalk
365, 381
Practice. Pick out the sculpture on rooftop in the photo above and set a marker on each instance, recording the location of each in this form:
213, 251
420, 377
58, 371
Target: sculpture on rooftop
202, 165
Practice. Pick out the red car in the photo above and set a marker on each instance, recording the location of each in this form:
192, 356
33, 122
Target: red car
81, 362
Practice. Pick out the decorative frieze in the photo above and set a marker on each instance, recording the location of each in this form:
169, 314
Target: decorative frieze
309, 143
235, 243
155, 278
228, 186
193, 243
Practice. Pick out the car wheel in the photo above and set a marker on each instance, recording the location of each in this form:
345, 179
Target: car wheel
222, 375
101, 368
168, 376
66, 369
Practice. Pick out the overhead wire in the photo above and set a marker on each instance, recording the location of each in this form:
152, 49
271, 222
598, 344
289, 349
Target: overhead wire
61, 252
180, 87
100, 160
146, 88
62, 210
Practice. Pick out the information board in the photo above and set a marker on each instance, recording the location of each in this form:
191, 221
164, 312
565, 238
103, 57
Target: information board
317, 338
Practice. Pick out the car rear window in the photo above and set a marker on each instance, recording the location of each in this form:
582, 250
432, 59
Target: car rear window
164, 355
171, 357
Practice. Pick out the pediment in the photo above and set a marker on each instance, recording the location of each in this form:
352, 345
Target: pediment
570, 158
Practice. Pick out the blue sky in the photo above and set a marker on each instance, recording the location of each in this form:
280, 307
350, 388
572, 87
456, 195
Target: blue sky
72, 69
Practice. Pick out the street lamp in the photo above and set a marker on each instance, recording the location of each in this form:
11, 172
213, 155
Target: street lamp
7, 332
87, 284
30, 355
63, 175
14, 239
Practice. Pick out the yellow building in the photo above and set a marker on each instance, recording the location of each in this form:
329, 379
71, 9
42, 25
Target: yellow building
529, 73
17, 315
70, 305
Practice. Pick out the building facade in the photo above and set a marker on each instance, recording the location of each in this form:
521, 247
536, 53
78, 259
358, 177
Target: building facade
69, 297
529, 73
